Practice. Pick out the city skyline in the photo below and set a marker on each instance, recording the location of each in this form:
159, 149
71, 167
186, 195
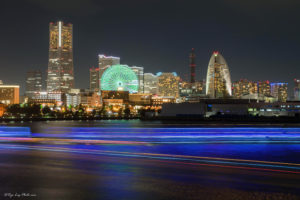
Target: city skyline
267, 60
150, 99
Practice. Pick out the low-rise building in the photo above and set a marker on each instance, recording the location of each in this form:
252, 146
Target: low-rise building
140, 99
289, 108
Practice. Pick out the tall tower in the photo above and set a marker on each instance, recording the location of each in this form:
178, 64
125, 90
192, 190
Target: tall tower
218, 81
192, 65
60, 67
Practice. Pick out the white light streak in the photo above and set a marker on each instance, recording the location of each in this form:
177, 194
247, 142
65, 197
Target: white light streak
59, 33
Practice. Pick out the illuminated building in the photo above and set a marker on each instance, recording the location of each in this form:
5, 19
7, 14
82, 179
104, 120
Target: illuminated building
289, 108
94, 79
264, 88
72, 99
48, 97
150, 83
191, 92
218, 81
140, 99
200, 87
90, 99
115, 99
297, 89
104, 62
115, 95
168, 84
119, 78
185, 88
60, 67
139, 71
244, 87
9, 94
33, 83
159, 100
2, 109
279, 91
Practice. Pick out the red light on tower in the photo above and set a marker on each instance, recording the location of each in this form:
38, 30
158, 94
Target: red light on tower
216, 53
192, 65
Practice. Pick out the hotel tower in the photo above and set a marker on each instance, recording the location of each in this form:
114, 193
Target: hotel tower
60, 67
218, 81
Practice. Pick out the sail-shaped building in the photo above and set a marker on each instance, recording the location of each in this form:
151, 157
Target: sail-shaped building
218, 81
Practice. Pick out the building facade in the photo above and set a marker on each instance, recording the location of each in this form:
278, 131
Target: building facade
139, 71
279, 91
44, 96
244, 87
33, 83
94, 79
150, 83
168, 85
218, 81
60, 67
264, 88
9, 94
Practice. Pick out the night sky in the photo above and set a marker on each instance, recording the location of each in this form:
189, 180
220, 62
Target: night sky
259, 39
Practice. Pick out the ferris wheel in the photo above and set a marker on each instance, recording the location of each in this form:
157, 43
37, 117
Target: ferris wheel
119, 78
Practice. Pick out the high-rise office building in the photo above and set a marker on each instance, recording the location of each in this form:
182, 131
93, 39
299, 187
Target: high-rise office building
150, 83
94, 78
168, 84
105, 62
279, 91
139, 71
60, 67
244, 87
218, 81
297, 89
264, 88
33, 82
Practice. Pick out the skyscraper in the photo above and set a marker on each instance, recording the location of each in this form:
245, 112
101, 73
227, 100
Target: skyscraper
33, 83
139, 71
94, 78
105, 62
218, 81
60, 66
